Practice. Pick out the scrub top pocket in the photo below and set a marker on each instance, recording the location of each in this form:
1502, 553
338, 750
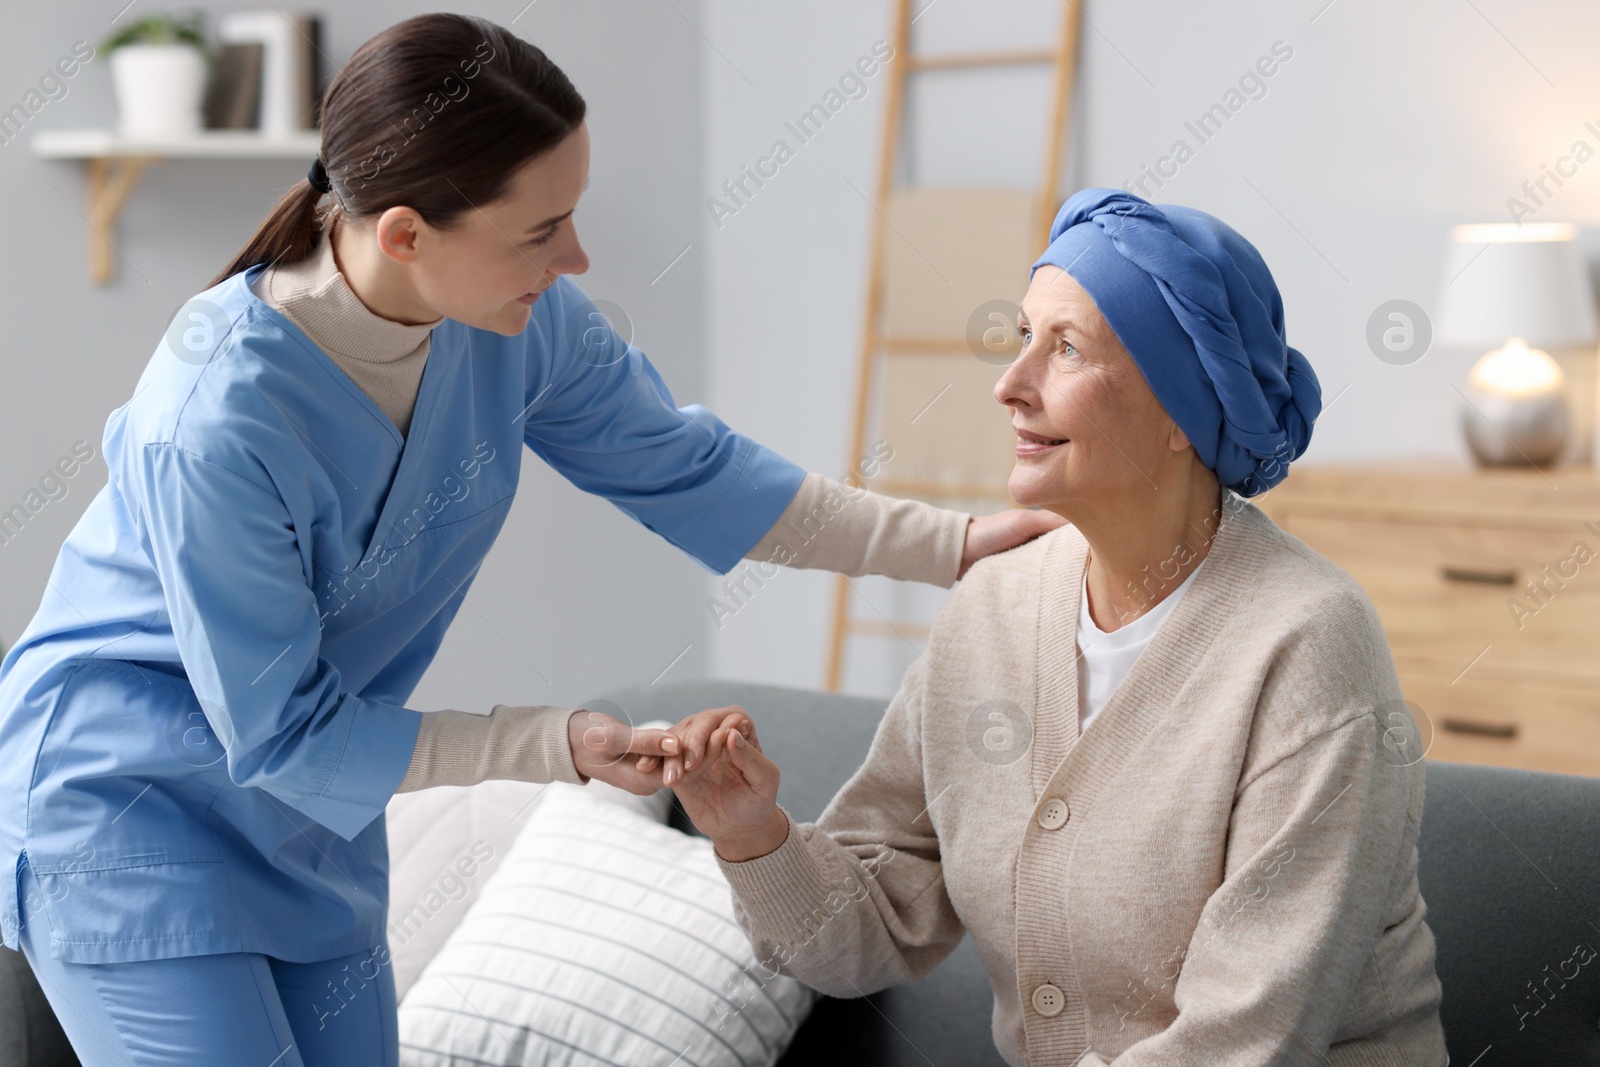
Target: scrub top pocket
128, 756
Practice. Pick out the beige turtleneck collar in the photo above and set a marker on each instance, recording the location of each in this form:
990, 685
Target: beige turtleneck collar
383, 357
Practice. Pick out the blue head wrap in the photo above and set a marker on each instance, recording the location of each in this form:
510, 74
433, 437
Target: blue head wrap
1196, 307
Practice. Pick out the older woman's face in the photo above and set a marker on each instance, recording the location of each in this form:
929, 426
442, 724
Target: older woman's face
1089, 430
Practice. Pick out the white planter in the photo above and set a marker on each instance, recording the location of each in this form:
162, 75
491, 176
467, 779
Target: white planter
160, 89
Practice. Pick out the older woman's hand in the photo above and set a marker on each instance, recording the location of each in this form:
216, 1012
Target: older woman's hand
693, 733
732, 796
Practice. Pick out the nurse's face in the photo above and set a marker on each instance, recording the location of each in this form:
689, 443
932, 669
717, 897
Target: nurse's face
1090, 433
489, 268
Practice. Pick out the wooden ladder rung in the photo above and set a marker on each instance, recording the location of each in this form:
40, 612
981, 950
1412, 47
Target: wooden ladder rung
1011, 57
924, 345
881, 628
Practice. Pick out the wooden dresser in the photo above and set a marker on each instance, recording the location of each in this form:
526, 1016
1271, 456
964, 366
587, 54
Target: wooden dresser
1488, 585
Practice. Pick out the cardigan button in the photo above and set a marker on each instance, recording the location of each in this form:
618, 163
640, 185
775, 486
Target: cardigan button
1053, 816
1048, 1000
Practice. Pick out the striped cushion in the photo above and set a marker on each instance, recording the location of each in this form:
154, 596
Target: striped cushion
603, 938
445, 842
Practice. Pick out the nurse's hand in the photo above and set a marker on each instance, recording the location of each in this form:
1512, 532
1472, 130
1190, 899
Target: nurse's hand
732, 796
988, 534
609, 749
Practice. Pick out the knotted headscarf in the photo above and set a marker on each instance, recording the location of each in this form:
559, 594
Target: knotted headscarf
1196, 307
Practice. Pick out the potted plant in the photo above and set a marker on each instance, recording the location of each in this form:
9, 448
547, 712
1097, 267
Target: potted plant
158, 70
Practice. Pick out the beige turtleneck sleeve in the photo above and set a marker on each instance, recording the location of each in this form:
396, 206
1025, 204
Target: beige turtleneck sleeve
837, 527
383, 357
524, 744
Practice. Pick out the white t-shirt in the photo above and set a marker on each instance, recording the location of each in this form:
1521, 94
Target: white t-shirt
1105, 658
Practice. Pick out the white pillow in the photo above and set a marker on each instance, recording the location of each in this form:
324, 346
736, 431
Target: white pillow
443, 845
603, 937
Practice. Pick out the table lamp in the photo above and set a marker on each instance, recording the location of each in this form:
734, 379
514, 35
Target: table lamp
1516, 293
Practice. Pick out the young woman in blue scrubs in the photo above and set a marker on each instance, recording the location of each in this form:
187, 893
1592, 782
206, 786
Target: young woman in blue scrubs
202, 725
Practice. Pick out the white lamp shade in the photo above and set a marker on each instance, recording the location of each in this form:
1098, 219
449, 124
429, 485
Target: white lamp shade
1506, 280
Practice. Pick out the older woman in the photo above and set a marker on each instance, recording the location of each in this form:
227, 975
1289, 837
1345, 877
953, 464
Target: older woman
1212, 860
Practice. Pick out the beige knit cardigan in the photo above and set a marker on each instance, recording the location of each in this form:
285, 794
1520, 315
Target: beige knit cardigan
1222, 870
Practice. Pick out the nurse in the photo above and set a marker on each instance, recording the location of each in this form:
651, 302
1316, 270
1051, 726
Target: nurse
203, 723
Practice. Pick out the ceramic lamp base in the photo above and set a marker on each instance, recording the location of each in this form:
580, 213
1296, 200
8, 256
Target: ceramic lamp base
1507, 431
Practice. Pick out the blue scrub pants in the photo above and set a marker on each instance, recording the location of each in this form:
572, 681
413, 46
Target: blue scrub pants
231, 1009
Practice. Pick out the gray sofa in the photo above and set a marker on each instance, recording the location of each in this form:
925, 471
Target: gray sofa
1510, 868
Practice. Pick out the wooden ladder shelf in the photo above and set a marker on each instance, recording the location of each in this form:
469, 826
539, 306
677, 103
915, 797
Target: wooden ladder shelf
917, 334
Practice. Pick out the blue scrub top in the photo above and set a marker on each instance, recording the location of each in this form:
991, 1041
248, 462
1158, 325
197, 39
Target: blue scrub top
201, 726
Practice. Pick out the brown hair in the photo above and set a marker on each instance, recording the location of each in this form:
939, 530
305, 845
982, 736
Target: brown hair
434, 113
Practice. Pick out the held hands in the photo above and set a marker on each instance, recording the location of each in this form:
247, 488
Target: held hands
713, 760
988, 534
643, 761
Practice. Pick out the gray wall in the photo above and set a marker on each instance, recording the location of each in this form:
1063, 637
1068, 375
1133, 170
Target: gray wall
1389, 123
573, 590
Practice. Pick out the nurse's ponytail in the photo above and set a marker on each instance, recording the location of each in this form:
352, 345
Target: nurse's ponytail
435, 113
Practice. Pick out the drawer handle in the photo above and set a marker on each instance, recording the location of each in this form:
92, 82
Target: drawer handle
1481, 577
1484, 729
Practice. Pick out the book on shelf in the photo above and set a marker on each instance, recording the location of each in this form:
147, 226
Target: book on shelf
233, 94
269, 72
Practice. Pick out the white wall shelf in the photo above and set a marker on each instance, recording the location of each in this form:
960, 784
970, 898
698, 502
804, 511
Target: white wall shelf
114, 164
